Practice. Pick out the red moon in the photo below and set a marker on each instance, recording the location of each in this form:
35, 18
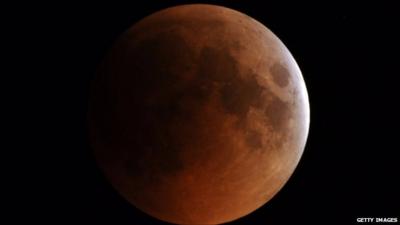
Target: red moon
198, 115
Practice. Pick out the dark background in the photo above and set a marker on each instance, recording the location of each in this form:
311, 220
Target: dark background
349, 58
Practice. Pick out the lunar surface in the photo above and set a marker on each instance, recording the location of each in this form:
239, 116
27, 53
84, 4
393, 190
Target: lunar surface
198, 115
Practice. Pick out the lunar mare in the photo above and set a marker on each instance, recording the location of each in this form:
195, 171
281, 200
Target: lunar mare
198, 115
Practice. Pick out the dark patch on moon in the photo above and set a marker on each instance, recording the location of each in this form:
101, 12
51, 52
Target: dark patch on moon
158, 91
170, 162
237, 94
158, 64
254, 139
280, 74
158, 147
278, 113
216, 65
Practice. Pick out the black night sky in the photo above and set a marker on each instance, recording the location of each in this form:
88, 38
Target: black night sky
349, 58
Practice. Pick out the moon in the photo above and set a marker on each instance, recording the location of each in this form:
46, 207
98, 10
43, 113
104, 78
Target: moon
198, 114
